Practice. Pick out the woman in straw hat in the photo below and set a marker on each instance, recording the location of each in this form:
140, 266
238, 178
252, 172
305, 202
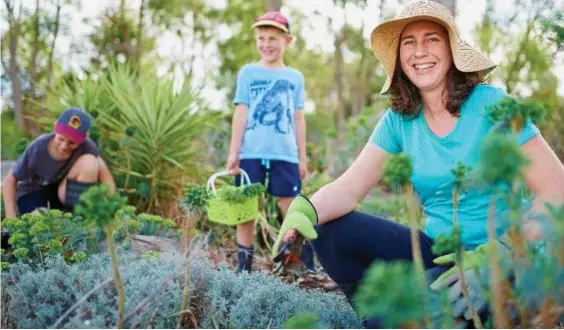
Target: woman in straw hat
438, 100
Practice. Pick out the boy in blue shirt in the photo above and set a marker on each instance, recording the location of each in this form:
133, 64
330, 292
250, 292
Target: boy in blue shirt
269, 130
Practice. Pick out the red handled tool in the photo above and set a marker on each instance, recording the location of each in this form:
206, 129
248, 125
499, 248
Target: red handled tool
288, 257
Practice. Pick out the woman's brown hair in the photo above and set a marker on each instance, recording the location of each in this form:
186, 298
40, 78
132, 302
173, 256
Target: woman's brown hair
406, 100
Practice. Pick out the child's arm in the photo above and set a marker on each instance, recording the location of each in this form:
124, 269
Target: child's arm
237, 131
299, 118
9, 187
19, 172
105, 176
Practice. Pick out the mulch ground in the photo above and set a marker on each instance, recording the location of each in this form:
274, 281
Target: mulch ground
262, 263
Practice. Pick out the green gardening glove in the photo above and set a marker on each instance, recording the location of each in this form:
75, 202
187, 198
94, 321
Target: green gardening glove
470, 260
301, 216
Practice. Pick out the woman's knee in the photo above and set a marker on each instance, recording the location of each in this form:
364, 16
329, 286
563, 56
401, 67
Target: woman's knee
85, 169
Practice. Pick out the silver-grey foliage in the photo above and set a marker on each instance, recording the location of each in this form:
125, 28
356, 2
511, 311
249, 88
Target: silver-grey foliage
38, 298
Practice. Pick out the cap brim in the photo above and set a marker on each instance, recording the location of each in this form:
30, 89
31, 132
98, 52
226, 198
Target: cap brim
271, 23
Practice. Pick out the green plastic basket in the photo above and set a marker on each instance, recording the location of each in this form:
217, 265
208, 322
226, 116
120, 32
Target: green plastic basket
229, 213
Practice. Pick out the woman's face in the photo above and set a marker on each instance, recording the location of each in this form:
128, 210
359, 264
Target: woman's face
425, 54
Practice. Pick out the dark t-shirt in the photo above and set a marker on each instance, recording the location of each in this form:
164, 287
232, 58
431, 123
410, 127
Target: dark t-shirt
35, 167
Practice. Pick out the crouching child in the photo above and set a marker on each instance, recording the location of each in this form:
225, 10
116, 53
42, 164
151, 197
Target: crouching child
56, 168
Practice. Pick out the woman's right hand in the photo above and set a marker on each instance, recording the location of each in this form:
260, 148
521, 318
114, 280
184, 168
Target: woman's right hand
301, 217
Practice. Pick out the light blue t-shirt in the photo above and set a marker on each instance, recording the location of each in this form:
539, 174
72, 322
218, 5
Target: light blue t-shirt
272, 96
434, 157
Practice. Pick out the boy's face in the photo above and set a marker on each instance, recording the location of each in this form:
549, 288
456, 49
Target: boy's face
64, 145
271, 43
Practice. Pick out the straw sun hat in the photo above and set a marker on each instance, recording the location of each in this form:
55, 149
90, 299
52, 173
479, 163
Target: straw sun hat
385, 39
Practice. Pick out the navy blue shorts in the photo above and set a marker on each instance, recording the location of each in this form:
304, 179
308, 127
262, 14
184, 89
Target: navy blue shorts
45, 197
283, 177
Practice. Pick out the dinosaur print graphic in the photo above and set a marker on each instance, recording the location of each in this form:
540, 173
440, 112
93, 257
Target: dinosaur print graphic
274, 108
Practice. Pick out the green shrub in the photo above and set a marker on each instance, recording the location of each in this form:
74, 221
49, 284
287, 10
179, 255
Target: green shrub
36, 299
258, 300
13, 140
48, 233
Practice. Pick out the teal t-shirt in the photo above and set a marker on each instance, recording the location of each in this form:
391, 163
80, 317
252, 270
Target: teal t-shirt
434, 157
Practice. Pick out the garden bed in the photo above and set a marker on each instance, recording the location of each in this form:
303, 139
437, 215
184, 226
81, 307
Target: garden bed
219, 298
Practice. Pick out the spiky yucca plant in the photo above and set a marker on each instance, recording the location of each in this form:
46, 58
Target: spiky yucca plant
148, 131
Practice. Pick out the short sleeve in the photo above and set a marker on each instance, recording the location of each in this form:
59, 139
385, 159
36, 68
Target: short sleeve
299, 101
89, 147
242, 90
386, 134
22, 169
529, 129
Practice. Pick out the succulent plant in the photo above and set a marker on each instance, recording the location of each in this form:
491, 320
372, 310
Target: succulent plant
445, 244
397, 171
461, 172
513, 113
196, 197
501, 160
101, 206
390, 291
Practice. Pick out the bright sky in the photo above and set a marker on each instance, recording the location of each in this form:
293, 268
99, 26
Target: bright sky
468, 15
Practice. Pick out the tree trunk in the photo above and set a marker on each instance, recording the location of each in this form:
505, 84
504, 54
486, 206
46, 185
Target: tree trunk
14, 70
450, 4
361, 80
34, 53
513, 70
339, 75
52, 48
274, 5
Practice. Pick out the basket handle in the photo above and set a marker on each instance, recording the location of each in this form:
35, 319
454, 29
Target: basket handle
211, 181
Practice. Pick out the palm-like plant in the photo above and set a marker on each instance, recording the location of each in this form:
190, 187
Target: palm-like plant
149, 131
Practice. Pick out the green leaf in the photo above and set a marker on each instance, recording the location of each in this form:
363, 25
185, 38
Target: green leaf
303, 320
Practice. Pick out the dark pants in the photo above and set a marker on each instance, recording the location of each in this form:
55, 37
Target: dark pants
47, 197
347, 246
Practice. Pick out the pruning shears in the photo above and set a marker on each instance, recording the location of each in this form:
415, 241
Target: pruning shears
288, 257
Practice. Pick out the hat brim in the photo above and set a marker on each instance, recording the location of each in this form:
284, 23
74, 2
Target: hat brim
384, 41
75, 135
271, 23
